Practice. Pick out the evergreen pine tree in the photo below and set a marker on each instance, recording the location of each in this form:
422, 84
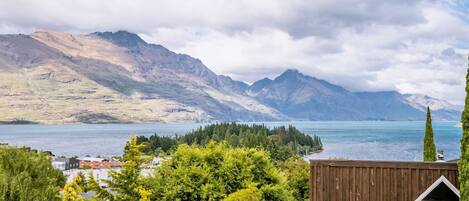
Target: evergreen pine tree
126, 184
429, 149
464, 159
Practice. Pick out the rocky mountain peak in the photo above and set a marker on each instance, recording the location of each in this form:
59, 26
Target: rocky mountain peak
289, 74
260, 84
122, 38
421, 102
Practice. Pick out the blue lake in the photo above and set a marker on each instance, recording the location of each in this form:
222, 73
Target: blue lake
371, 140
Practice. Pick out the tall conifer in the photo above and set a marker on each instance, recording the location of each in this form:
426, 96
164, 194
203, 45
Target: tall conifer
464, 159
429, 149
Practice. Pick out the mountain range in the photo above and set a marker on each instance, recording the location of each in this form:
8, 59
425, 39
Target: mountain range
109, 77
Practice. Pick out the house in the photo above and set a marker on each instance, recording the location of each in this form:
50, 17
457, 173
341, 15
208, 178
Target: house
343, 180
98, 163
63, 163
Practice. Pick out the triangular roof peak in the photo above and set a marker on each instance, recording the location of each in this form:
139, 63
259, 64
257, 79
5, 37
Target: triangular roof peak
439, 181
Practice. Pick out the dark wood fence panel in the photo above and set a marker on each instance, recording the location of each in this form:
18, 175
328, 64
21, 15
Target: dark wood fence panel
344, 180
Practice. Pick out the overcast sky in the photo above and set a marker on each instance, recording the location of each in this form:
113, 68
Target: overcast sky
368, 45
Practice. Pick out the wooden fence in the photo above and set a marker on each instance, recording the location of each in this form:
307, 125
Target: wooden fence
344, 180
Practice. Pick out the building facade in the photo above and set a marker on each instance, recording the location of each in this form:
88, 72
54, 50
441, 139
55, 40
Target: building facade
63, 163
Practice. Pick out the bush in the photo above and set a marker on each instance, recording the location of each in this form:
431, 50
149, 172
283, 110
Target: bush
215, 171
26, 176
249, 194
296, 170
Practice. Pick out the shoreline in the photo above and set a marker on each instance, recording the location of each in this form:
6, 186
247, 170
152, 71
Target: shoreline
28, 122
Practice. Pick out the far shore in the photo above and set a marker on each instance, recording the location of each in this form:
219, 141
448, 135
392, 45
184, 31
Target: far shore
29, 122
17, 122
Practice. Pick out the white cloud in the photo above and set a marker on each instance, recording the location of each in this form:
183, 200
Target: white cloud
417, 46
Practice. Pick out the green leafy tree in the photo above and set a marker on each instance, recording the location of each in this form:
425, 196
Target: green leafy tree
26, 176
296, 169
464, 159
215, 171
429, 148
126, 184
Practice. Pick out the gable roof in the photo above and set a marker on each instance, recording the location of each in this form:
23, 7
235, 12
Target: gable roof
441, 180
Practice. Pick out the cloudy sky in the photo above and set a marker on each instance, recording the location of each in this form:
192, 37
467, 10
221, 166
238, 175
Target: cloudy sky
409, 46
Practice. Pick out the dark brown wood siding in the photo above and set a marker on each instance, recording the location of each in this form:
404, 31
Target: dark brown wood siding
344, 180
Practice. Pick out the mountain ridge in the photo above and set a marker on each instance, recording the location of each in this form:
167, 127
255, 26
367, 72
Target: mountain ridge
108, 77
321, 100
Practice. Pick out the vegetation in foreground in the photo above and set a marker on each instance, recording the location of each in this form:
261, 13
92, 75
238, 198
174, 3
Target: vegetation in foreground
215, 171
26, 175
218, 162
211, 170
463, 164
281, 143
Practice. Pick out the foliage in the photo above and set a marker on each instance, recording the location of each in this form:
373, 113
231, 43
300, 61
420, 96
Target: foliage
248, 194
18, 121
464, 159
157, 144
215, 171
74, 189
296, 170
225, 162
26, 175
126, 184
429, 148
101, 193
281, 143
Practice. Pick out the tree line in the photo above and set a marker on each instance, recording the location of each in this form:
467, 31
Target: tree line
280, 142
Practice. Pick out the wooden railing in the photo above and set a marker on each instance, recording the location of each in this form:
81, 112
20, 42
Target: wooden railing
346, 180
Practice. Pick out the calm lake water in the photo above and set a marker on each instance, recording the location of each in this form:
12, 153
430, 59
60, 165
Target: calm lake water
372, 140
